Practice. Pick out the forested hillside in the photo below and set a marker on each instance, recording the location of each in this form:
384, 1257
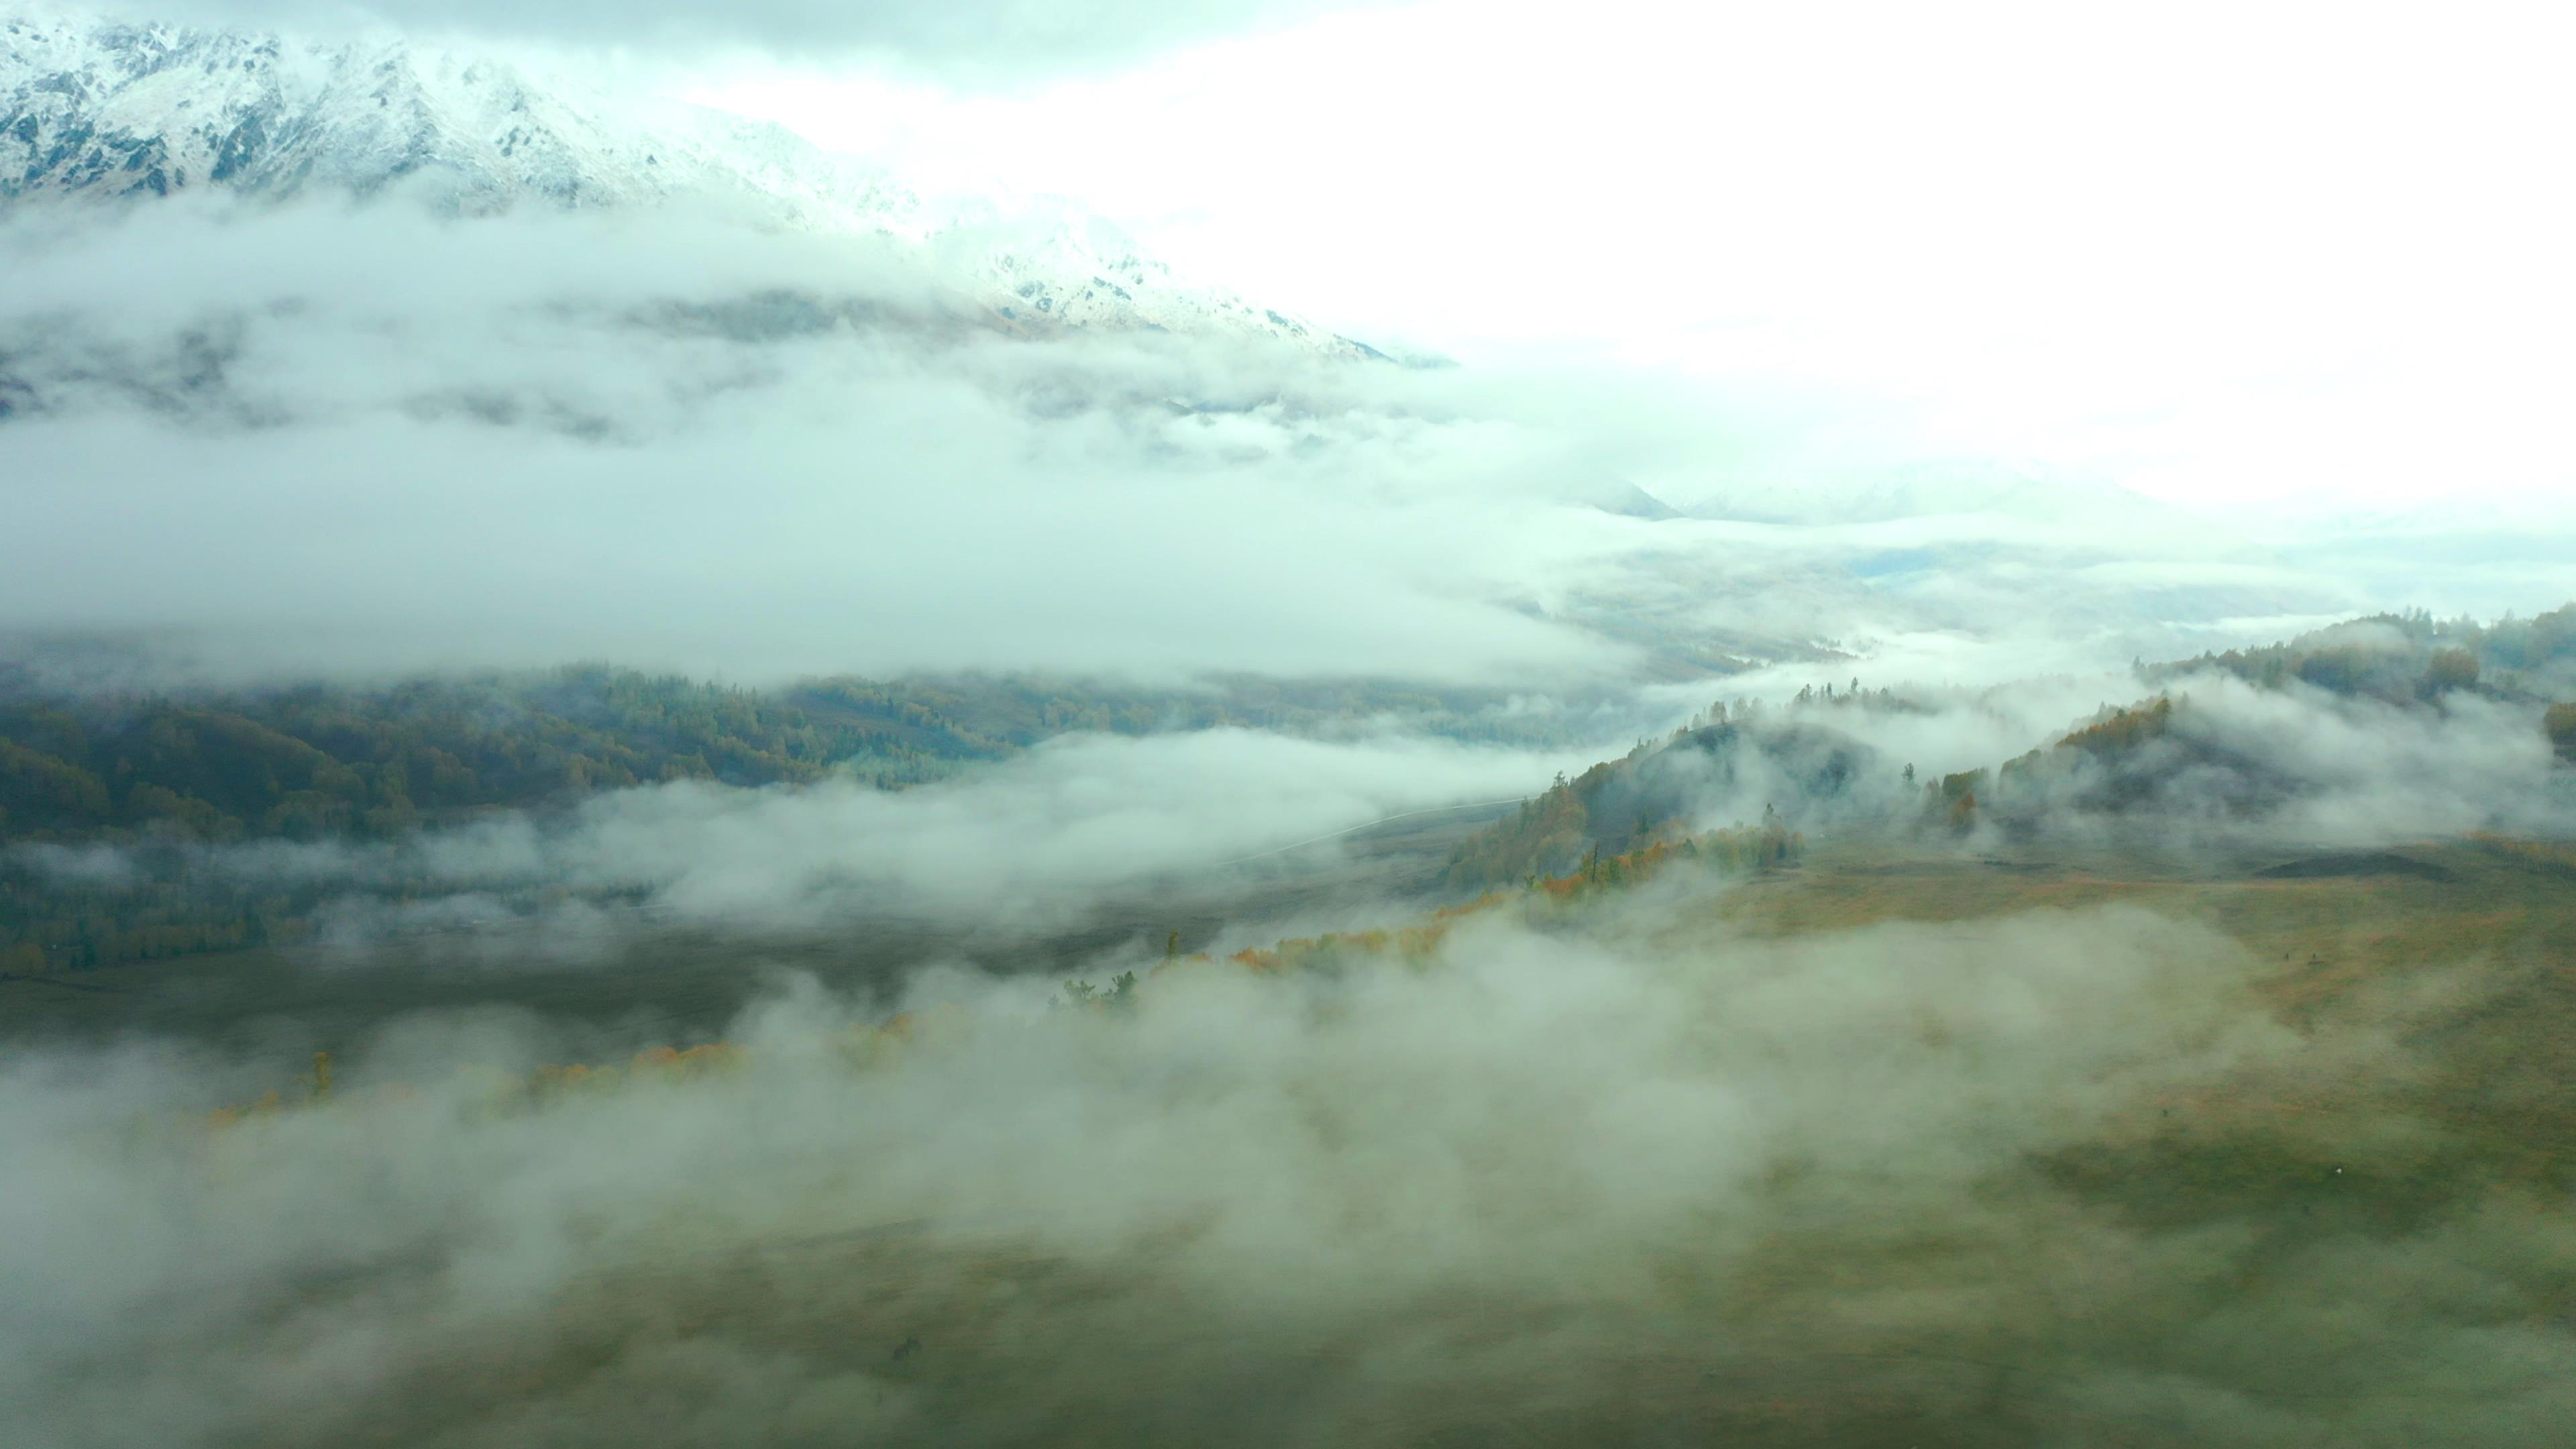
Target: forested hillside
2162, 749
158, 776
2161, 753
2411, 656
1656, 792
320, 760
313, 761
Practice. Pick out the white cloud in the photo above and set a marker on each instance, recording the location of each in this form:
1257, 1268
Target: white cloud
607, 435
988, 42
1028, 843
1497, 1186
2225, 253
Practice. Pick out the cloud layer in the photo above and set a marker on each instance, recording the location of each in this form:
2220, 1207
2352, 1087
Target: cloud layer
643, 438
976, 41
1028, 844
1843, 1180
661, 438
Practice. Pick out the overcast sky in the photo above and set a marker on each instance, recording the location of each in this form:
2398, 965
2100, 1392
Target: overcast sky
2224, 253
1885, 299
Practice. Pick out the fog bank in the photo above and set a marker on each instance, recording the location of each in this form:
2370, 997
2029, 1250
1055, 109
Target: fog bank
1023, 843
668, 439
1834, 1179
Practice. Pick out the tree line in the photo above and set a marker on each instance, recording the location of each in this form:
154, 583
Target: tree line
157, 774
2409, 656
321, 760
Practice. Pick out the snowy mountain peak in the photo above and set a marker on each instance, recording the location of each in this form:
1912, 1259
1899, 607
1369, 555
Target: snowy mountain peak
94, 110
101, 109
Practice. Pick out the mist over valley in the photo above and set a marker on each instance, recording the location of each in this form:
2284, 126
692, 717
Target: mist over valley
991, 724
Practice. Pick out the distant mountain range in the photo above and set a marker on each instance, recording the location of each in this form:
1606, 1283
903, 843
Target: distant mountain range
100, 111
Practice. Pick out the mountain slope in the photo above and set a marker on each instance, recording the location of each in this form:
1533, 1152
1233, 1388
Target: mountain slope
105, 112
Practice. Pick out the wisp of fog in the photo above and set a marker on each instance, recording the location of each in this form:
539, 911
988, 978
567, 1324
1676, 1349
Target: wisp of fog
1539, 1174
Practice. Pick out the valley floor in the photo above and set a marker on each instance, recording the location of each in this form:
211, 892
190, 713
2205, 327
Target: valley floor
2357, 1232
645, 985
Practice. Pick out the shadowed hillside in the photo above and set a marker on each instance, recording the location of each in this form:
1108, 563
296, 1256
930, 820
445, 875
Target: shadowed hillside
1663, 789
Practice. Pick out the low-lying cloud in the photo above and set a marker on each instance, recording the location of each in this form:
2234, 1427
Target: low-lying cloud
976, 41
1919, 1180
509, 467
671, 440
1028, 842
2233, 768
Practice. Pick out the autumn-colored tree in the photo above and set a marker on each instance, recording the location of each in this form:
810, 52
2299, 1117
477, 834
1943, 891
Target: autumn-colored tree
2560, 722
1954, 799
2450, 669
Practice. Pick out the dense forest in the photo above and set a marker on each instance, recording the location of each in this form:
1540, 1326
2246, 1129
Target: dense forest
2128, 756
318, 760
49, 924
315, 761
2119, 760
157, 774
2411, 656
1653, 794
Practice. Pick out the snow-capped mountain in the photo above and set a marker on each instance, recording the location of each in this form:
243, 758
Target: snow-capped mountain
98, 110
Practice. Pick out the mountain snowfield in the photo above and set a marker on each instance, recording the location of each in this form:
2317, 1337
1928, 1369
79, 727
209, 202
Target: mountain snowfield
97, 109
